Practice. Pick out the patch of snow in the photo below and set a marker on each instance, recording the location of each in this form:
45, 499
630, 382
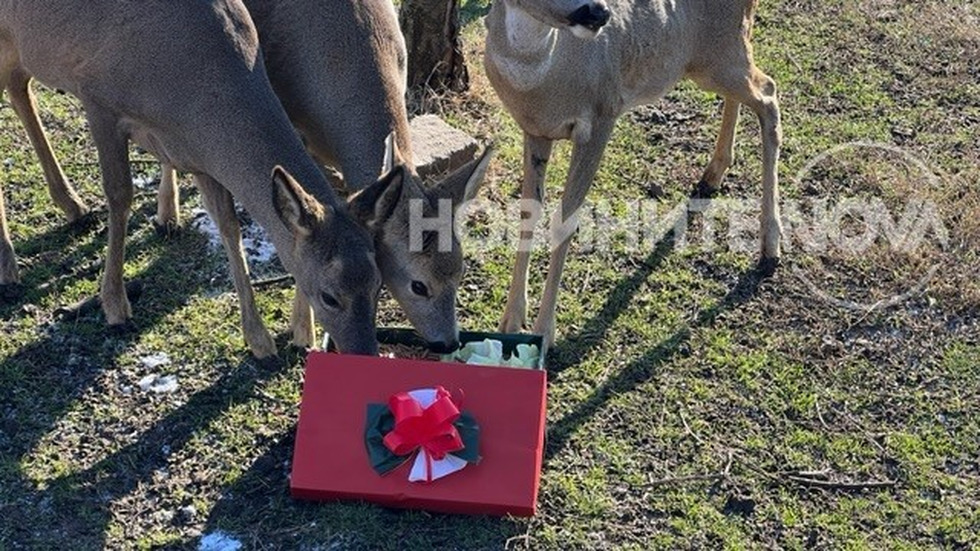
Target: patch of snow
342, 541
163, 516
156, 360
144, 181
159, 384
201, 221
219, 541
258, 247
188, 512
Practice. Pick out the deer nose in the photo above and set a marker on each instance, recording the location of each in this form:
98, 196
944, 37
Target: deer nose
592, 16
443, 347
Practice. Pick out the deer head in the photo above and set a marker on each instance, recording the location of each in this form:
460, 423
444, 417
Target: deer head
421, 268
333, 264
585, 18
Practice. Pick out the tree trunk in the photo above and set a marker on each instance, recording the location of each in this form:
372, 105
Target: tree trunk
435, 54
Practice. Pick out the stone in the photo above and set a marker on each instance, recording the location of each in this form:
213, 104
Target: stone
438, 148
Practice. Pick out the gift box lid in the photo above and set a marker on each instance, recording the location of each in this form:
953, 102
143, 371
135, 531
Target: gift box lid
330, 460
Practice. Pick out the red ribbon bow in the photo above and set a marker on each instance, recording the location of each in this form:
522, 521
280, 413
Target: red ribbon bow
430, 428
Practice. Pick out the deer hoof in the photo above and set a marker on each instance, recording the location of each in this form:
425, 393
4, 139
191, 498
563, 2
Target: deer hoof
704, 190
123, 329
84, 220
547, 332
767, 266
78, 215
510, 324
262, 346
270, 363
303, 334
166, 228
11, 292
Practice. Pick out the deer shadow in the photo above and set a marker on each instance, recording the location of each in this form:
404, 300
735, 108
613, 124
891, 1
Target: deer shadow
568, 351
645, 367
53, 259
50, 260
260, 500
77, 504
63, 360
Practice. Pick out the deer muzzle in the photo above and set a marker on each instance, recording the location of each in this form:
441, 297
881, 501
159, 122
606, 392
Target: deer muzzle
592, 16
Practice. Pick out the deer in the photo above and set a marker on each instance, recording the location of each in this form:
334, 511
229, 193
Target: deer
339, 69
185, 80
568, 69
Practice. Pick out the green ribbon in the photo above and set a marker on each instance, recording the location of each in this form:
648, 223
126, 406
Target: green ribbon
380, 421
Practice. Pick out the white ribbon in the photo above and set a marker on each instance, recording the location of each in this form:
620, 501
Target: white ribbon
426, 468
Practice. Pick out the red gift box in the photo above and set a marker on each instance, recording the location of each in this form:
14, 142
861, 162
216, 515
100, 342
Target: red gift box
330, 460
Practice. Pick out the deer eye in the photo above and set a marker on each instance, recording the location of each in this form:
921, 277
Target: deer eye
420, 289
329, 300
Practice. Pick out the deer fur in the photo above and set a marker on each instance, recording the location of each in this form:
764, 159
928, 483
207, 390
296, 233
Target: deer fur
567, 69
185, 80
338, 67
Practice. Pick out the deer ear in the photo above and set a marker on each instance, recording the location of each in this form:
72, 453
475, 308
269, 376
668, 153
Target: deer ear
462, 185
296, 208
375, 204
391, 152
393, 156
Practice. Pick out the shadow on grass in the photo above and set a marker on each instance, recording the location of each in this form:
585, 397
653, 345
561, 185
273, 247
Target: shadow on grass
77, 504
472, 10
53, 259
643, 368
42, 380
258, 503
571, 348
56, 258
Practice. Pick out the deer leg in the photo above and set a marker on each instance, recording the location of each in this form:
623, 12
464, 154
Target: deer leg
301, 321
762, 99
586, 155
25, 106
9, 275
724, 150
537, 152
8, 260
221, 207
117, 183
755, 89
168, 212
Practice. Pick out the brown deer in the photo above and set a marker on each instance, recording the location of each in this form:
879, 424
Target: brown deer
185, 80
567, 69
338, 67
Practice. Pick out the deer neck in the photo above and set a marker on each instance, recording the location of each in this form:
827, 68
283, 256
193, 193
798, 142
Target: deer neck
249, 179
526, 36
526, 53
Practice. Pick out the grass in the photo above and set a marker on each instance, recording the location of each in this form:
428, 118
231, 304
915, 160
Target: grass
686, 393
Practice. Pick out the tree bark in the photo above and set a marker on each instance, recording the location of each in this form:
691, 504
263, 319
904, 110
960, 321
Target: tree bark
435, 53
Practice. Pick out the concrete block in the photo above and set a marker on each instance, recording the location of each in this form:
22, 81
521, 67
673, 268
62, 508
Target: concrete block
439, 148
